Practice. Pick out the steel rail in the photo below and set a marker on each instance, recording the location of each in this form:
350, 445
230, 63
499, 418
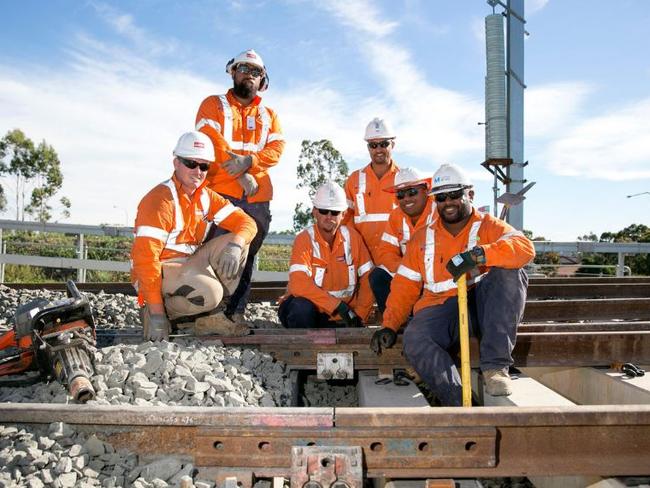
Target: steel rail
396, 442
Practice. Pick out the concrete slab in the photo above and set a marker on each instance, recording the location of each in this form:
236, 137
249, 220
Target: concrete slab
592, 386
526, 392
389, 394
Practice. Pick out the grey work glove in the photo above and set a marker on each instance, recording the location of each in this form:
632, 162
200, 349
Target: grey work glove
237, 163
382, 338
248, 183
228, 262
156, 326
350, 318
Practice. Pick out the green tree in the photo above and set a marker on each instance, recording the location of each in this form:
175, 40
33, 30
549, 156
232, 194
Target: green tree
36, 171
318, 162
638, 263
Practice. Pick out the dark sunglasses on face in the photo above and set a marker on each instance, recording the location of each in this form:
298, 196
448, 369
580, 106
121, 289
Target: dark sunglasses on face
191, 164
245, 69
411, 192
375, 145
453, 195
322, 211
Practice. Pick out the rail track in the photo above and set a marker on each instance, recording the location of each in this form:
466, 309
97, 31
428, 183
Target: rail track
568, 323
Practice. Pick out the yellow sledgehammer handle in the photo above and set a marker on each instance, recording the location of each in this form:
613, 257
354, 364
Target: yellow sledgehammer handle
463, 324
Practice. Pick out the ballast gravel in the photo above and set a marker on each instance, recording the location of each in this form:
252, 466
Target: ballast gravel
185, 372
57, 455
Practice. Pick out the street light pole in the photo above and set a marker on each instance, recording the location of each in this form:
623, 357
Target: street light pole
637, 194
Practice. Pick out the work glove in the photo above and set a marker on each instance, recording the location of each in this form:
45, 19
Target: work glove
237, 164
156, 326
228, 261
460, 264
350, 318
382, 338
248, 183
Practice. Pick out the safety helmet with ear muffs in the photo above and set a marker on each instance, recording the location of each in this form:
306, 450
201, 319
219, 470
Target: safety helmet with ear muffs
249, 57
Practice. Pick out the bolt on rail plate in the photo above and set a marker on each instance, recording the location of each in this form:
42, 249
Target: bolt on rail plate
326, 467
335, 366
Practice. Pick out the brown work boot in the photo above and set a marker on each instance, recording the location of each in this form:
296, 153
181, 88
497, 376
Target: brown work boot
497, 382
414, 375
219, 324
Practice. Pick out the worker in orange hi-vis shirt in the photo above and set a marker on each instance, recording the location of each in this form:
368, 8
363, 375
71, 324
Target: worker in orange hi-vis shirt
329, 268
460, 241
177, 275
248, 142
369, 206
416, 210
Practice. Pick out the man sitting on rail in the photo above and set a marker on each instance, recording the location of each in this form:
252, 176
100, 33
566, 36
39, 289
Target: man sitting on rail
175, 275
329, 268
416, 210
492, 253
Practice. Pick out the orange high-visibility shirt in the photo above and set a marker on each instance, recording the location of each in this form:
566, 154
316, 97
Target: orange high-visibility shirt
252, 129
326, 276
423, 269
369, 205
170, 224
398, 231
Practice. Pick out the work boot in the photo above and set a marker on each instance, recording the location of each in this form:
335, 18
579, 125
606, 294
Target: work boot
414, 375
219, 324
497, 382
238, 318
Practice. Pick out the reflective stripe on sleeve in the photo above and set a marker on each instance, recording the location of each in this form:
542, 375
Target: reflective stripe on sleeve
390, 239
223, 213
153, 232
294, 268
409, 273
364, 268
209, 122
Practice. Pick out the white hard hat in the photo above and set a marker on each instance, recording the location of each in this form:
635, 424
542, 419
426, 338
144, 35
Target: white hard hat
408, 177
449, 177
249, 57
379, 129
195, 145
330, 196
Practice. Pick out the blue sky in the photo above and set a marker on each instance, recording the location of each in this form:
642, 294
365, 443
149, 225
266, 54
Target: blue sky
111, 85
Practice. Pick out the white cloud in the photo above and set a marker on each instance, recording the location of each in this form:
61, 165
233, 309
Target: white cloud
612, 146
552, 108
125, 25
361, 15
533, 6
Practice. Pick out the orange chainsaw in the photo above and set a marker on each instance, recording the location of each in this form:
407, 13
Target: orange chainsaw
56, 339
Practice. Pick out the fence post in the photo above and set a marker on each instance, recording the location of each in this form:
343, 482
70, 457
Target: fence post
80, 255
3, 249
620, 268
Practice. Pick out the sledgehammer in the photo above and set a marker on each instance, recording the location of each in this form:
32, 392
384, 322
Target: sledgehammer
463, 325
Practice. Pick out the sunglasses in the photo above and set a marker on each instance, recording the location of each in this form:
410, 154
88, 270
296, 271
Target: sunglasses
375, 145
251, 70
322, 211
191, 164
411, 192
453, 195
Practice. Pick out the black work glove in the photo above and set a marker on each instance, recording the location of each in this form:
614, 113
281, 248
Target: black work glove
382, 338
348, 316
460, 264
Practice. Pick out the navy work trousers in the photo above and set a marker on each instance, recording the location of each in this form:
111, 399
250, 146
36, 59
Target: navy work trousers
300, 313
495, 305
380, 280
261, 213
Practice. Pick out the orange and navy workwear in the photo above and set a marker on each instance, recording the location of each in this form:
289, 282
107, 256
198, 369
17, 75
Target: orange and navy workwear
172, 224
398, 232
326, 276
242, 129
422, 277
369, 206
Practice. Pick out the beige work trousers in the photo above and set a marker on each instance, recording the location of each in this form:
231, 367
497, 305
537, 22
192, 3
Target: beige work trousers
192, 285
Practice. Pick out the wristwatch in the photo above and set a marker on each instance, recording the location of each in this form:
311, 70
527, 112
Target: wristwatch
479, 255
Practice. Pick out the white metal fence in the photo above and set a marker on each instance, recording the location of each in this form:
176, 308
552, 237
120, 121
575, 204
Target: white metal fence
81, 263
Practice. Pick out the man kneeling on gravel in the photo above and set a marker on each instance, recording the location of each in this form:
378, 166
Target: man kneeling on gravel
329, 269
177, 277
